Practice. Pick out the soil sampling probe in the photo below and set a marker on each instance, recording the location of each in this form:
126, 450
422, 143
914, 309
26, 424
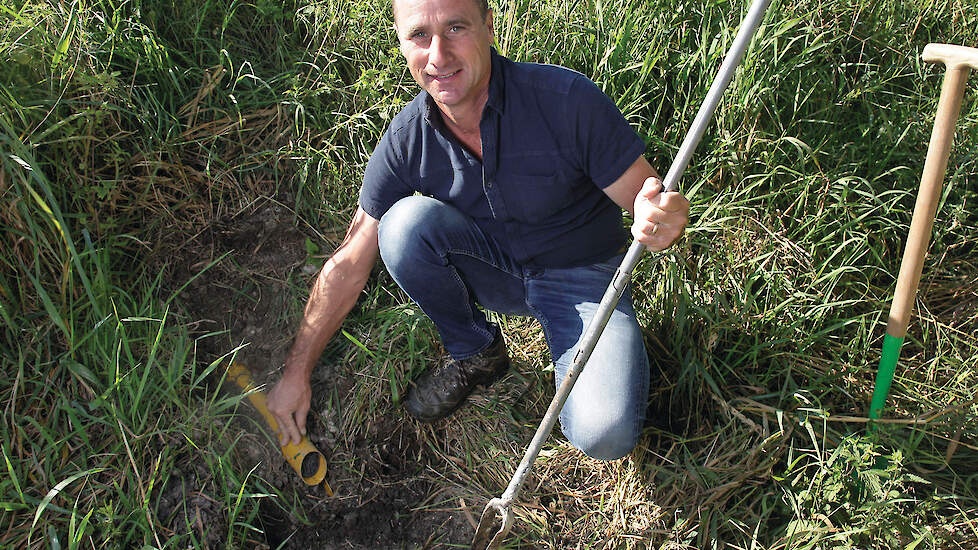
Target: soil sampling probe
958, 62
497, 517
304, 457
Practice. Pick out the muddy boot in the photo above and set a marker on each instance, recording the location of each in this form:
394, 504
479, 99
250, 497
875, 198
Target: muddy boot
441, 390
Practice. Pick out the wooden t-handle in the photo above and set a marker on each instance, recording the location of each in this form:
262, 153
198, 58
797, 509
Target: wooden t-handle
952, 56
959, 60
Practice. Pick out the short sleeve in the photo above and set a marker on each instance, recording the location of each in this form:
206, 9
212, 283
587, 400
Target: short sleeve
606, 143
382, 184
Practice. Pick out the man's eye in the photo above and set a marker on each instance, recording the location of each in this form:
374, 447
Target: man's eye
418, 34
457, 28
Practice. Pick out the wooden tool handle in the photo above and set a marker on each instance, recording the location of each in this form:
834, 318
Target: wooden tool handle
952, 56
931, 182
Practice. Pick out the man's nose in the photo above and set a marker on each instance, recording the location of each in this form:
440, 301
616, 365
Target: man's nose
438, 51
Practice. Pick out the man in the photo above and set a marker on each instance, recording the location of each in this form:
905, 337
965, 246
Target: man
502, 185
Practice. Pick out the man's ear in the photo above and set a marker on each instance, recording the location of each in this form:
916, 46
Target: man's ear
492, 32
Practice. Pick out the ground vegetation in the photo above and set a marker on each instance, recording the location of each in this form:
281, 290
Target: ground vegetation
172, 174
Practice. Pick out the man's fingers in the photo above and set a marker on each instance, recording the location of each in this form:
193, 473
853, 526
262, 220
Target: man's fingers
656, 215
656, 229
659, 216
289, 404
300, 419
651, 188
646, 232
659, 233
292, 432
673, 202
657, 239
287, 430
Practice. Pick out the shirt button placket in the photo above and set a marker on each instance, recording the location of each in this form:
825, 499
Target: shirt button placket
489, 165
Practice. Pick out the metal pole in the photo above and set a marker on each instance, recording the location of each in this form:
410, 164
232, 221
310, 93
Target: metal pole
500, 507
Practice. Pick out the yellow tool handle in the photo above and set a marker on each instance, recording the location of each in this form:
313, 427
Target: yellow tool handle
295, 455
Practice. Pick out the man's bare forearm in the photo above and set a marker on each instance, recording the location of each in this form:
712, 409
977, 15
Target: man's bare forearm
334, 294
332, 297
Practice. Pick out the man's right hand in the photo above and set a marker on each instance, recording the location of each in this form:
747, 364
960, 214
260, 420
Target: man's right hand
289, 403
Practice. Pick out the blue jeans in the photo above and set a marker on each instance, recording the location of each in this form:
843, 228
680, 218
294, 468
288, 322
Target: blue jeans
447, 265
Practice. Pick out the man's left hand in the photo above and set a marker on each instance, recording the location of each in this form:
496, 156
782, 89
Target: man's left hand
660, 218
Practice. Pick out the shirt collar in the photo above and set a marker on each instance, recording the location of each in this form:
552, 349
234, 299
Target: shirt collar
497, 96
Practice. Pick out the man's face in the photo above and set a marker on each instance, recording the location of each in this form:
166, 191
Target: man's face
446, 45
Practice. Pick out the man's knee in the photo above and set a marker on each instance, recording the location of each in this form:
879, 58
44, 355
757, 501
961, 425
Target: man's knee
605, 437
404, 229
405, 218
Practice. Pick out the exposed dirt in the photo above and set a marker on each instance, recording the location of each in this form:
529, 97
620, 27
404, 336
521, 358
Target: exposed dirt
249, 276
399, 484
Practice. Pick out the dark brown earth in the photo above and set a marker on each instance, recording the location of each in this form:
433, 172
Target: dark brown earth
248, 278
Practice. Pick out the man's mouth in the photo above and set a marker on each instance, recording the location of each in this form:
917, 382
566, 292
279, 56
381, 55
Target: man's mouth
443, 76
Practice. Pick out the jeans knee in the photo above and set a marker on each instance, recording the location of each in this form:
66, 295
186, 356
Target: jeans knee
402, 230
600, 437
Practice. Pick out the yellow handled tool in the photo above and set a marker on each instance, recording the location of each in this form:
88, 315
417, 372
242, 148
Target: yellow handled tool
304, 458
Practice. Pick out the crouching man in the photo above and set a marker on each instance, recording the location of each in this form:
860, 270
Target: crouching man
501, 184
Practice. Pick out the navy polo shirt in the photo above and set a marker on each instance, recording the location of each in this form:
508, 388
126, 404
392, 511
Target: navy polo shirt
551, 141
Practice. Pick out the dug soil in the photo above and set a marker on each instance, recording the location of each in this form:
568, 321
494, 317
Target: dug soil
242, 281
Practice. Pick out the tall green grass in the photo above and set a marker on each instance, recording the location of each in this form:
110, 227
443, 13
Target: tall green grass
125, 127
102, 391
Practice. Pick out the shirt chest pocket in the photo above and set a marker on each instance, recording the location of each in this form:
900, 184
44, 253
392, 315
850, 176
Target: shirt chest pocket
535, 199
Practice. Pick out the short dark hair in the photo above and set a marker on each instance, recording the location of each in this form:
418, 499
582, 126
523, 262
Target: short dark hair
483, 7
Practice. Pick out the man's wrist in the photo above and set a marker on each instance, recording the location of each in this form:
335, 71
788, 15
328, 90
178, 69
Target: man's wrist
296, 370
